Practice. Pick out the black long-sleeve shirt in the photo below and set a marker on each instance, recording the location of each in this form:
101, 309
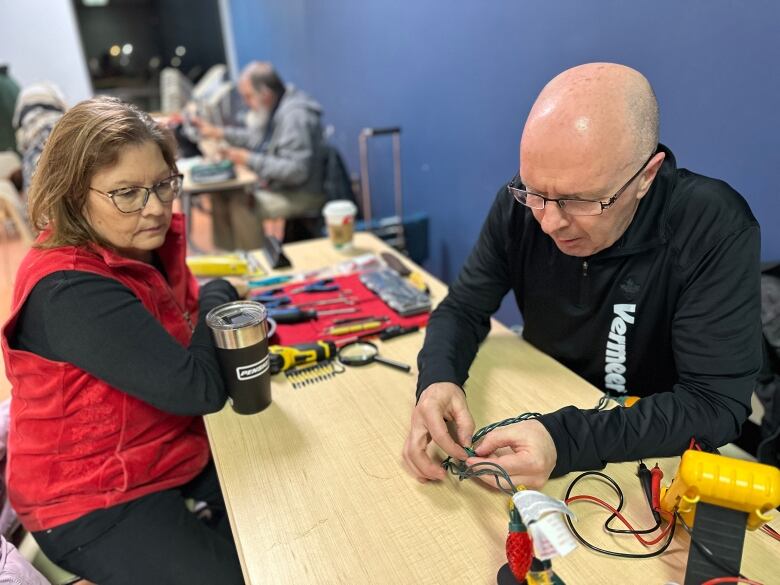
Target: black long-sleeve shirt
97, 324
670, 313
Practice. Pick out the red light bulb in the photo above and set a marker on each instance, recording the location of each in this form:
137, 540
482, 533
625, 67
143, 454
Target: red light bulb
519, 547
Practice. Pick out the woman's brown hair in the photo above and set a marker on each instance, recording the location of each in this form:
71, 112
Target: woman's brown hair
88, 138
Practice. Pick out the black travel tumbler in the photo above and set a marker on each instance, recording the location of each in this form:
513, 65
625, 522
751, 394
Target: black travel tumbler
240, 334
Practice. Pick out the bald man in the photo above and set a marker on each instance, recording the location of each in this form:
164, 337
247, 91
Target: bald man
283, 146
640, 277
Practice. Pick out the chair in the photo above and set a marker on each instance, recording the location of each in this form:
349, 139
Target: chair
9, 162
54, 574
11, 212
336, 184
11, 209
17, 535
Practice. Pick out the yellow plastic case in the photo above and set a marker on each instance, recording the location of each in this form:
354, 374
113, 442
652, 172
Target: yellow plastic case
218, 265
723, 481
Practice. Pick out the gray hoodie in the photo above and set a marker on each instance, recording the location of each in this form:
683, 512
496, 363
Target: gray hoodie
287, 152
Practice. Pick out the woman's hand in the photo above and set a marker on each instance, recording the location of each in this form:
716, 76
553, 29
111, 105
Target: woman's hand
240, 284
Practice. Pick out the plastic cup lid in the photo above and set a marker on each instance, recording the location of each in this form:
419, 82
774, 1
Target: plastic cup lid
236, 315
339, 208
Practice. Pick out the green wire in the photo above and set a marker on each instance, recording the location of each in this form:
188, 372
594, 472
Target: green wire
463, 471
508, 421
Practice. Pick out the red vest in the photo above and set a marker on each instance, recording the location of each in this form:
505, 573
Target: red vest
77, 444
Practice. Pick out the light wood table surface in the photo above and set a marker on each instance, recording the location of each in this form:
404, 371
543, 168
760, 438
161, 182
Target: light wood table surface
316, 493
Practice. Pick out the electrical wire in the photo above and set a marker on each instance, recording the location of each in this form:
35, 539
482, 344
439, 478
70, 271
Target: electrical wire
694, 444
771, 532
668, 532
502, 423
603, 402
616, 488
704, 446
717, 580
616, 514
638, 531
613, 484
463, 471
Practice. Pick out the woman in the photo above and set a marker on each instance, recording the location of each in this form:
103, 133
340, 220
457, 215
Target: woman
112, 364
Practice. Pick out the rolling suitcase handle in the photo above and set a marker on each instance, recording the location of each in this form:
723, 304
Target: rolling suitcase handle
365, 186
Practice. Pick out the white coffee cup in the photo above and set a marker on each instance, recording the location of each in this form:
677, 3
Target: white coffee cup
340, 220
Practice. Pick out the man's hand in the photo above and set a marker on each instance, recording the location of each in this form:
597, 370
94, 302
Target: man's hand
532, 457
239, 156
438, 403
207, 130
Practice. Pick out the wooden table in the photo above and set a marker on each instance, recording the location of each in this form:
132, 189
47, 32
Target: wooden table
245, 179
316, 492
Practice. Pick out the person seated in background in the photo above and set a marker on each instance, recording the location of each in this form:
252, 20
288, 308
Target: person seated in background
38, 108
641, 277
282, 144
111, 362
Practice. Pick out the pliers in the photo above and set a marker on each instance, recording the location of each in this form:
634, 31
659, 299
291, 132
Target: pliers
270, 299
318, 286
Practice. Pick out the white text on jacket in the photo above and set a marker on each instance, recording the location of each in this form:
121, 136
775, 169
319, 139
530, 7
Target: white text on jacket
614, 367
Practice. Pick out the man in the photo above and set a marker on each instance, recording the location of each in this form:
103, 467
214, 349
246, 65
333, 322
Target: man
283, 147
641, 277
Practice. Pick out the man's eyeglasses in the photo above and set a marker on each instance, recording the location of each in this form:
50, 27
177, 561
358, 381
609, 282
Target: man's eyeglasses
133, 199
570, 206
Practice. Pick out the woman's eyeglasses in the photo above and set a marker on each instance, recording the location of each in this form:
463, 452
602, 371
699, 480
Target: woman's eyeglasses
133, 199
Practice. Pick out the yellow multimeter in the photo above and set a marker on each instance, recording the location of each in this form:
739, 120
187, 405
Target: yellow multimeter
747, 486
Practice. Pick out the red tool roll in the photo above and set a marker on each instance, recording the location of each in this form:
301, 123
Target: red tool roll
366, 303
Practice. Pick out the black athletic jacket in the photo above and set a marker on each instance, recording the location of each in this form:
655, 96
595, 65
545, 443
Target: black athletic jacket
670, 313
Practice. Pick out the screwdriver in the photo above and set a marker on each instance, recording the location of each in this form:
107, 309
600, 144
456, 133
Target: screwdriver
397, 331
283, 357
289, 315
344, 329
270, 281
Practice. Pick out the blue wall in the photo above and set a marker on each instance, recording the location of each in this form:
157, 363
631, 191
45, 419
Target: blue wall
460, 76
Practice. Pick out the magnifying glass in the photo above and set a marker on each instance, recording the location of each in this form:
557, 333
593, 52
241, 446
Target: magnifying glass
271, 324
362, 353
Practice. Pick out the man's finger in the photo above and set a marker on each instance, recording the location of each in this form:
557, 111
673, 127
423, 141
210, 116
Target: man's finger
464, 422
520, 470
525, 467
494, 440
512, 463
438, 431
417, 455
410, 467
427, 468
408, 461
